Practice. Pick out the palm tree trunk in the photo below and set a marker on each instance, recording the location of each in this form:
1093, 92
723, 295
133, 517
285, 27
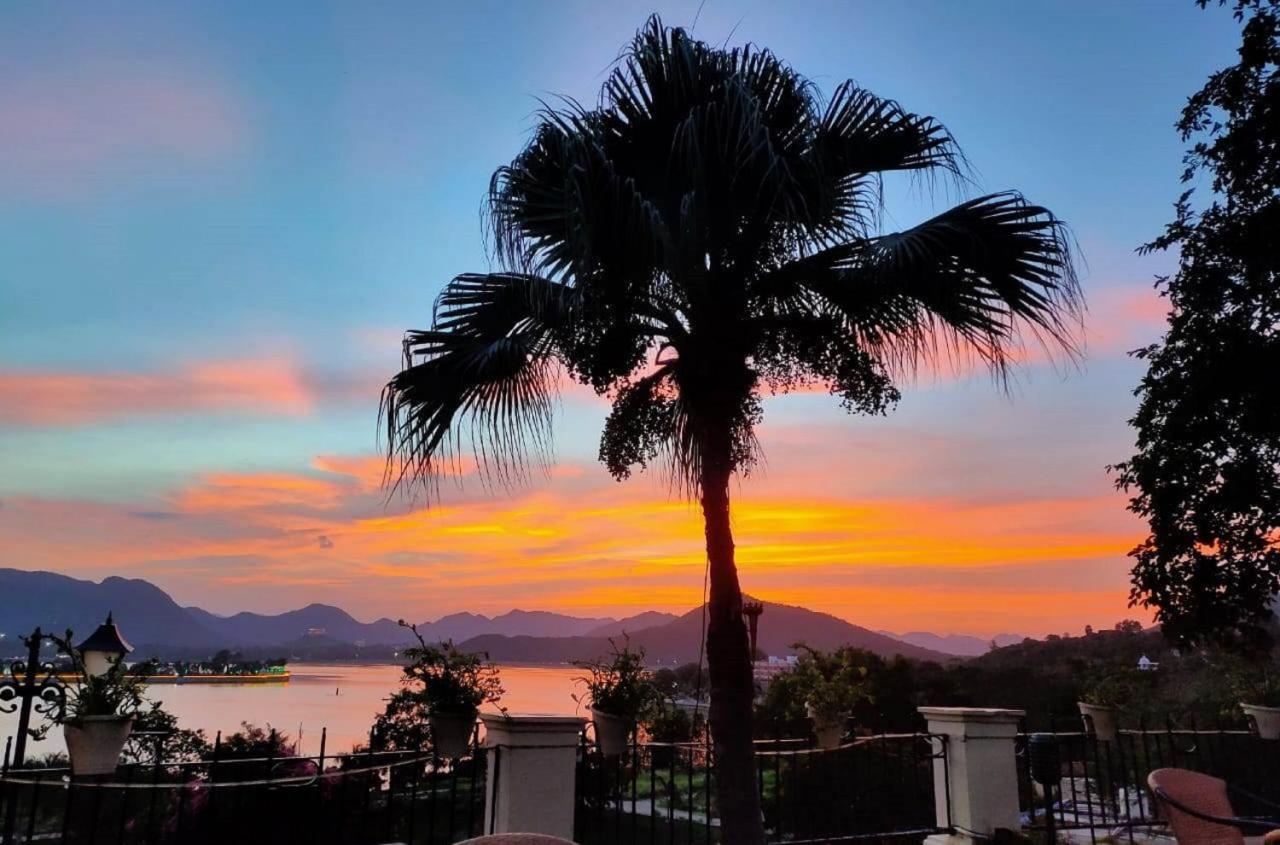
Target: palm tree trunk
729, 664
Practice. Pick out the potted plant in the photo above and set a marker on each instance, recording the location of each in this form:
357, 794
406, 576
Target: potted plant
1260, 701
1104, 695
454, 685
619, 690
99, 714
832, 685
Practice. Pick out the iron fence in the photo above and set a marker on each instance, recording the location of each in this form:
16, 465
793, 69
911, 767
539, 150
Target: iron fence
362, 797
1102, 785
875, 788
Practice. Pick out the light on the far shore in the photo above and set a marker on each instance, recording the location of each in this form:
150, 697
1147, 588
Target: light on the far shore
103, 649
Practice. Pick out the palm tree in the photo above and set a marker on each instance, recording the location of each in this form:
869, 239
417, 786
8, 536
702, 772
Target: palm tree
703, 235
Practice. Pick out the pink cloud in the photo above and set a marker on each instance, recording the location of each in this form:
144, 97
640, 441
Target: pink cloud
1122, 318
66, 128
50, 397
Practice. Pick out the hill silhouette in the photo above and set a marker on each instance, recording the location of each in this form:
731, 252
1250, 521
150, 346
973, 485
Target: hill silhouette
157, 625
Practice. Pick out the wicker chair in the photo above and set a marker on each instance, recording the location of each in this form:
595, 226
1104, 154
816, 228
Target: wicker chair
1198, 808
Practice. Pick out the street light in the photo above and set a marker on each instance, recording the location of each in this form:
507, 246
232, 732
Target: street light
103, 649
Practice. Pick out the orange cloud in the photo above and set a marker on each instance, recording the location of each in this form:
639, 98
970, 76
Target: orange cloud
45, 397
581, 542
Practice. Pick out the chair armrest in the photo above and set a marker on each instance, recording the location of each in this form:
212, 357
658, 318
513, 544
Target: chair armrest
1245, 824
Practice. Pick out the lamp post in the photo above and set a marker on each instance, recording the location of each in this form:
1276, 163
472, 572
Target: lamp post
103, 649
36, 688
752, 611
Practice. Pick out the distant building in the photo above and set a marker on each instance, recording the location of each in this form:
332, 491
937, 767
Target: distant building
766, 670
316, 632
1146, 664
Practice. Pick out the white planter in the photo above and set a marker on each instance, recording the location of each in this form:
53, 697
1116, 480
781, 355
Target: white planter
94, 743
612, 732
828, 730
1267, 719
451, 732
1102, 719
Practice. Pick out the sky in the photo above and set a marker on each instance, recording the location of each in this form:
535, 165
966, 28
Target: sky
217, 219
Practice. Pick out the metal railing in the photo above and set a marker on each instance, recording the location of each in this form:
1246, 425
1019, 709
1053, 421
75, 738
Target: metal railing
362, 797
1102, 788
878, 787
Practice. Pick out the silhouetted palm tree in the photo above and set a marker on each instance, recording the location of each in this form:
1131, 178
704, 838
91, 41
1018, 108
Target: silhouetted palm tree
702, 235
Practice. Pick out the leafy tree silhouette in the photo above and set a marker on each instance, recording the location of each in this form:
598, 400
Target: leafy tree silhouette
1206, 475
704, 234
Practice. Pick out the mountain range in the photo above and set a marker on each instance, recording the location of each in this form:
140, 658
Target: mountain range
961, 645
157, 624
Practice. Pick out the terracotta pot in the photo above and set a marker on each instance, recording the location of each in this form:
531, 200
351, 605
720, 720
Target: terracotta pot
828, 730
1265, 719
451, 732
94, 743
612, 732
1100, 719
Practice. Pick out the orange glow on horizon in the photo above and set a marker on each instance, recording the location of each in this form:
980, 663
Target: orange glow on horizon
582, 543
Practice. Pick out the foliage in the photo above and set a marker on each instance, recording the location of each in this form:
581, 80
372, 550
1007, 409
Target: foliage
253, 741
620, 686
1043, 677
1206, 474
438, 679
830, 684
449, 680
156, 737
1258, 685
114, 693
402, 725
667, 722
688, 680
1111, 686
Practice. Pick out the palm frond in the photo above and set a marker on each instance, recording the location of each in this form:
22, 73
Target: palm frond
563, 209
860, 137
862, 134
485, 373
974, 278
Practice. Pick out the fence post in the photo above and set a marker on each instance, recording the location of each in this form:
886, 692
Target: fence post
979, 772
532, 773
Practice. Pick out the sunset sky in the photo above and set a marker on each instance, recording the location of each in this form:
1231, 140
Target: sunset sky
216, 221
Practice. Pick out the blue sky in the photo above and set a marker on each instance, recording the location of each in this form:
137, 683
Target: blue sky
215, 220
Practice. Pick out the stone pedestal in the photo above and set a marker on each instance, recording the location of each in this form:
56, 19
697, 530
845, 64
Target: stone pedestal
980, 769
532, 773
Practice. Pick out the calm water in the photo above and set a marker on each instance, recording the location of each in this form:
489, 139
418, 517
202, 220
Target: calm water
343, 699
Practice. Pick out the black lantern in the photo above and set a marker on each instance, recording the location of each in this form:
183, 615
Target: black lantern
103, 649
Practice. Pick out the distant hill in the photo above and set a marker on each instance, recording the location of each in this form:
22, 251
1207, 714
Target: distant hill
56, 602
632, 624
256, 629
678, 641
158, 626
960, 645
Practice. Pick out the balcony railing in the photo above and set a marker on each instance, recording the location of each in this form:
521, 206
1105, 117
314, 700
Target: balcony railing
1102, 788
367, 797
877, 787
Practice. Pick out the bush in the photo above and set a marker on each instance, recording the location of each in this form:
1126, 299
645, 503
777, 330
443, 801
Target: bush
620, 686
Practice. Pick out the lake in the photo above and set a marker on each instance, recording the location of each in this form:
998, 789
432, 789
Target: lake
343, 699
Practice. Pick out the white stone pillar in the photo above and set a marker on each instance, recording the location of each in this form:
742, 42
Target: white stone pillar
532, 773
980, 771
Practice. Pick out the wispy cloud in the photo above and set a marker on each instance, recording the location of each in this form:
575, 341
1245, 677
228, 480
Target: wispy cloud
67, 126
63, 398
